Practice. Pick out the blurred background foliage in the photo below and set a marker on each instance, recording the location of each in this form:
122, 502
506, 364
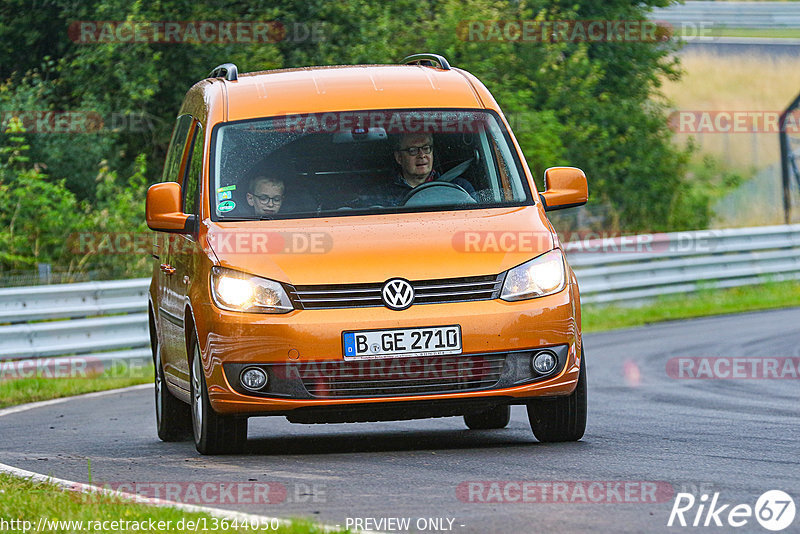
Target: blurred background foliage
596, 106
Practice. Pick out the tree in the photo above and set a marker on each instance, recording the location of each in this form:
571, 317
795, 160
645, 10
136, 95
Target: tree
35, 214
595, 105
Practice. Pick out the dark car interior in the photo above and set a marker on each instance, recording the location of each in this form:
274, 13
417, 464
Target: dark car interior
330, 171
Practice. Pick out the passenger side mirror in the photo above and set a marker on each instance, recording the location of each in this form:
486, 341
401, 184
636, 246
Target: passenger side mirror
564, 187
163, 209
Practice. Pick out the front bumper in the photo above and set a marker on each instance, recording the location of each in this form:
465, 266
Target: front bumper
304, 339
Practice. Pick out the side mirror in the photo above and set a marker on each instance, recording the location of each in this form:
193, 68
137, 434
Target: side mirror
163, 209
564, 187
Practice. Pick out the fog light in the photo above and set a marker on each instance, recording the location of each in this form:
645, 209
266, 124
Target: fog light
253, 378
544, 362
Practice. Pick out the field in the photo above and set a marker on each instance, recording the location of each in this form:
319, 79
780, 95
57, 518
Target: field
713, 82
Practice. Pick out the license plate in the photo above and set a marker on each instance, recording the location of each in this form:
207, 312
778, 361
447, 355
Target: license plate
425, 341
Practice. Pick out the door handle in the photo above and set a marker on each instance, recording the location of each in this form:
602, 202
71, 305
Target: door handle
167, 268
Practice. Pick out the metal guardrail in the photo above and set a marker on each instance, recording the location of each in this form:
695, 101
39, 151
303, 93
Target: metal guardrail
104, 320
107, 321
65, 301
731, 14
643, 267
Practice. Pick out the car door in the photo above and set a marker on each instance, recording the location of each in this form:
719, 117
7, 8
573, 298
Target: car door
170, 320
184, 256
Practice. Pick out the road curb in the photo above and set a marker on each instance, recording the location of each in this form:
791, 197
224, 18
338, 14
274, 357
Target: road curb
80, 487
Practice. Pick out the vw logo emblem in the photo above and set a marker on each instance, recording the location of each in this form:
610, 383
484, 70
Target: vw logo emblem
397, 294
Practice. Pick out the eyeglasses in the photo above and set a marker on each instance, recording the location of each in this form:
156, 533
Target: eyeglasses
414, 150
266, 199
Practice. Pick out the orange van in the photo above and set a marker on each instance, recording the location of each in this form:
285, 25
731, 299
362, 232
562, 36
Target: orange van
358, 243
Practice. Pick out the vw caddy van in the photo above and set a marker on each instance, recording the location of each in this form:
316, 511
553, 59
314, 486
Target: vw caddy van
358, 243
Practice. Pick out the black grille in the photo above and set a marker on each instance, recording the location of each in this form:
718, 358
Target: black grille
403, 376
425, 292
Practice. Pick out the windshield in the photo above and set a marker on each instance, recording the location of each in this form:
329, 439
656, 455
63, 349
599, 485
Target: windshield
349, 163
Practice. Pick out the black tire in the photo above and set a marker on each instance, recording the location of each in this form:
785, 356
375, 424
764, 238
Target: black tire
213, 433
497, 417
561, 418
173, 417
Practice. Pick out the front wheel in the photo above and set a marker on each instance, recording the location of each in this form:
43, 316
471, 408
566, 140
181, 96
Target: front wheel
213, 433
173, 417
562, 418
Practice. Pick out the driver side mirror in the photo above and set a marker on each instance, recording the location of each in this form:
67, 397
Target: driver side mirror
564, 187
163, 209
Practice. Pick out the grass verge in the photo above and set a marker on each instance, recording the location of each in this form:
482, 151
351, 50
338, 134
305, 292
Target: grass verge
66, 511
716, 31
24, 390
596, 318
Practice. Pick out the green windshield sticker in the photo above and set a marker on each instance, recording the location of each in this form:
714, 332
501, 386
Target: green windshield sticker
226, 188
228, 205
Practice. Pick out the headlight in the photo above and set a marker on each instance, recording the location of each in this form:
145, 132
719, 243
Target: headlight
536, 278
237, 291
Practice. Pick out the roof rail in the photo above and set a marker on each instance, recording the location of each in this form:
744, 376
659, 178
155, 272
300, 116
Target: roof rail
229, 69
427, 60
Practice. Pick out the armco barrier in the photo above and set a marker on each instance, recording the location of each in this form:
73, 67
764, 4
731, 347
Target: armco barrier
731, 14
628, 269
108, 319
105, 319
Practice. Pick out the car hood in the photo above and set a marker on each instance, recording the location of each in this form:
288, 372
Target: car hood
374, 248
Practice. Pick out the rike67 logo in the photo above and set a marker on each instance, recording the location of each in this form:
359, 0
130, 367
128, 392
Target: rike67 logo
774, 510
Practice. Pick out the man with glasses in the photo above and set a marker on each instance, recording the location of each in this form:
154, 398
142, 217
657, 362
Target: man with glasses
414, 154
265, 195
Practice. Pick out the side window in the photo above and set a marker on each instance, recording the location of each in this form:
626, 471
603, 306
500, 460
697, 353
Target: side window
191, 202
172, 165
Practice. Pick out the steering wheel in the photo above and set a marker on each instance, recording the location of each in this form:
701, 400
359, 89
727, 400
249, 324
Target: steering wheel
451, 192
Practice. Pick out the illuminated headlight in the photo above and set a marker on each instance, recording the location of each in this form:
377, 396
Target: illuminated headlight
237, 291
536, 278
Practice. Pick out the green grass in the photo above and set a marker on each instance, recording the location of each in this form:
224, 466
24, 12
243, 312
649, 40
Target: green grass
24, 390
22, 499
714, 31
596, 318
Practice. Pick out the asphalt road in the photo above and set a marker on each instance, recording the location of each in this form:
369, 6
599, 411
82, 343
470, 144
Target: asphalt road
735, 437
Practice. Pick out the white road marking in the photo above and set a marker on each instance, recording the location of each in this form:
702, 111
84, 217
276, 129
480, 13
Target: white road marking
162, 503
